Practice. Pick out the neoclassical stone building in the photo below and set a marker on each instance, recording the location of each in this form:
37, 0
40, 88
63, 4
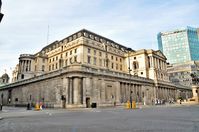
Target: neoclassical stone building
86, 68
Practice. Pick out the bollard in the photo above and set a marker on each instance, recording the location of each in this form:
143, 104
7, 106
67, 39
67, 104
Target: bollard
37, 107
128, 105
133, 105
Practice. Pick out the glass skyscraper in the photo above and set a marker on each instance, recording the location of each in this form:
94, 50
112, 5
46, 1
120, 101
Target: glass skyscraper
180, 45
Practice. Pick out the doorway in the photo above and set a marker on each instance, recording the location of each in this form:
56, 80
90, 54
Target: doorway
88, 104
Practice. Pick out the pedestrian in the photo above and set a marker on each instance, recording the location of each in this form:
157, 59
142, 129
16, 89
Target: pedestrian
1, 107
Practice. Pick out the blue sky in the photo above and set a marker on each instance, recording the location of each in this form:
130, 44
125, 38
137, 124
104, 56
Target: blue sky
132, 23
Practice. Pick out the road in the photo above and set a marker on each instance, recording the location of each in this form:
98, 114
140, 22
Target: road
154, 119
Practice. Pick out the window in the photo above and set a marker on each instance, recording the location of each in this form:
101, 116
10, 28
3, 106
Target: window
89, 50
120, 67
53, 67
94, 61
94, 52
50, 61
56, 66
66, 62
134, 58
111, 57
112, 65
56, 57
120, 59
50, 68
116, 58
75, 58
66, 54
116, 66
71, 52
75, 50
43, 60
89, 60
141, 73
53, 59
43, 68
100, 53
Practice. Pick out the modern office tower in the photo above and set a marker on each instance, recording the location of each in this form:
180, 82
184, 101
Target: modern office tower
180, 45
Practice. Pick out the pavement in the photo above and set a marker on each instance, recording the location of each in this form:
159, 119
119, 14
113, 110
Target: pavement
13, 112
161, 118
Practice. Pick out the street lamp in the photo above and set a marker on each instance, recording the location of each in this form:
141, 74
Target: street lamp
1, 15
129, 69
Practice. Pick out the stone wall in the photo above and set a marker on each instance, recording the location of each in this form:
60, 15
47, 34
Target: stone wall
80, 86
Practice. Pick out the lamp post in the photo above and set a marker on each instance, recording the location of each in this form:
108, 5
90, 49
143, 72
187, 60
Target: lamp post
1, 15
129, 69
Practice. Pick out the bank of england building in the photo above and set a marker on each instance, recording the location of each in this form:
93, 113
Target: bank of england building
86, 68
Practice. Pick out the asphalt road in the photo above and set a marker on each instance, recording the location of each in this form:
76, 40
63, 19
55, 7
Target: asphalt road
159, 119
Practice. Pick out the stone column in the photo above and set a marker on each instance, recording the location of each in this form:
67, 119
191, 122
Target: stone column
84, 90
77, 93
70, 91
66, 86
152, 63
117, 94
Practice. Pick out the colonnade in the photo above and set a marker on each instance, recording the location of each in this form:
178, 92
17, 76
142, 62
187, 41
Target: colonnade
157, 63
165, 93
128, 90
74, 90
24, 65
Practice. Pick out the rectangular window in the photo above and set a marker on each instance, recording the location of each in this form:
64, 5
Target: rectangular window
120, 67
112, 65
71, 52
75, 50
89, 60
111, 57
56, 57
56, 66
43, 68
116, 58
53, 67
116, 66
94, 61
120, 59
53, 59
66, 62
50, 68
75, 58
50, 61
89, 50
66, 54
100, 53
94, 52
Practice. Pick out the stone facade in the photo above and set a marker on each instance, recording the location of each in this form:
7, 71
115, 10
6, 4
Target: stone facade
87, 68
